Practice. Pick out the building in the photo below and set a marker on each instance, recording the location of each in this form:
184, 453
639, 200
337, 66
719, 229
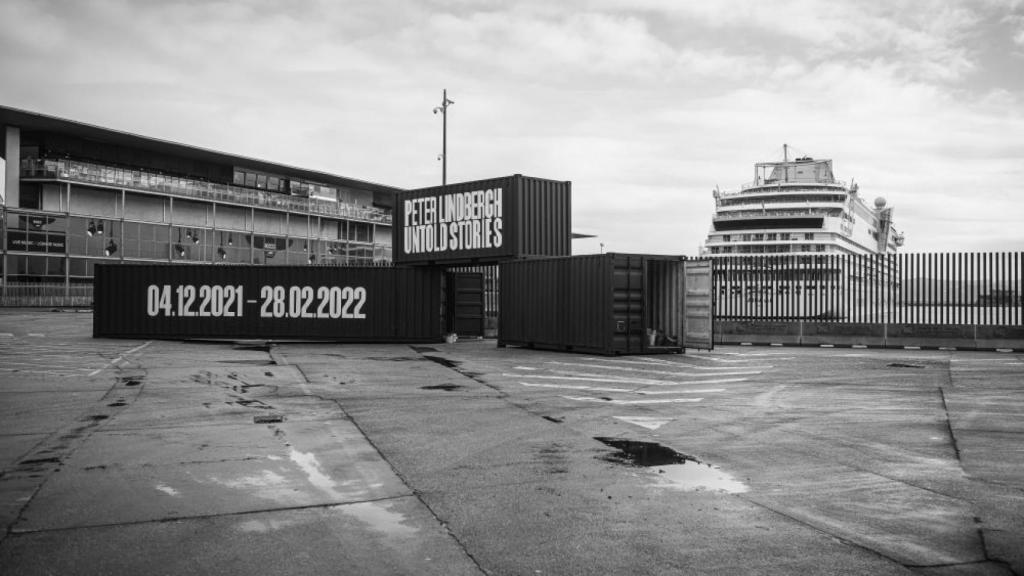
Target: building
75, 194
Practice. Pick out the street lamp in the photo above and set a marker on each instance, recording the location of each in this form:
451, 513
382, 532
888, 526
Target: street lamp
443, 109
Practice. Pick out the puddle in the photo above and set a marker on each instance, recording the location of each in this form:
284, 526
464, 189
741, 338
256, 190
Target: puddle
117, 404
445, 387
644, 454
672, 469
266, 479
265, 526
422, 349
693, 476
443, 362
167, 490
310, 466
130, 381
380, 517
249, 362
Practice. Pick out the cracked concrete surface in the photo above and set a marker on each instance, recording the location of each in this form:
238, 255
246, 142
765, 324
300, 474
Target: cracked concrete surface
154, 457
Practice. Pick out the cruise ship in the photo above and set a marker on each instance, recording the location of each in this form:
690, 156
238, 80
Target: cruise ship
797, 207
798, 243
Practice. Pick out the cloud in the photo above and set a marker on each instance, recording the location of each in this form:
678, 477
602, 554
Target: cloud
645, 105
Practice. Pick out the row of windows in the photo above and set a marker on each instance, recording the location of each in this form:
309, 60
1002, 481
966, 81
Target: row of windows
784, 199
771, 236
32, 268
81, 236
769, 249
262, 181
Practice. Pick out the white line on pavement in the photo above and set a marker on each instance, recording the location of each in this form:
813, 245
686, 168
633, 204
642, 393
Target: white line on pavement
640, 381
748, 372
576, 387
631, 402
119, 358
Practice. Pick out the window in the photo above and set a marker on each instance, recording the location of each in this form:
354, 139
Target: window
726, 238
809, 236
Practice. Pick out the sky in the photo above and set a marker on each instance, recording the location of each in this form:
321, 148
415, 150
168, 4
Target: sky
645, 105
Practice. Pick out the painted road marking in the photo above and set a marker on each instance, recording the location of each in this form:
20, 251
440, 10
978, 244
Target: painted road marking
664, 372
576, 387
649, 422
703, 391
638, 381
667, 363
631, 402
120, 358
625, 390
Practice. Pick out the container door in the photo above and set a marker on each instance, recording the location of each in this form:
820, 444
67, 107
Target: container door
697, 328
465, 304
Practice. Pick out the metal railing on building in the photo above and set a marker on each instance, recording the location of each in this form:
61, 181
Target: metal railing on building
131, 179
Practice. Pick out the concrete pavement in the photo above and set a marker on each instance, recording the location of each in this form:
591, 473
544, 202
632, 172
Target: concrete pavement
229, 458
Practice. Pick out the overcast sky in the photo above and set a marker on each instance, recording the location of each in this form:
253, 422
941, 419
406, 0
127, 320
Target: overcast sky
644, 105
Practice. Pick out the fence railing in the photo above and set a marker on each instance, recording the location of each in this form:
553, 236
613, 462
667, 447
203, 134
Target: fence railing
34, 294
938, 288
87, 172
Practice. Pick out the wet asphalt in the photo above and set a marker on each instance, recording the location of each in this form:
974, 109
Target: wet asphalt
163, 457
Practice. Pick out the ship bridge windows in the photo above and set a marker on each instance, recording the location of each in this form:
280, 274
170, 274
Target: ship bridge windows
810, 222
780, 198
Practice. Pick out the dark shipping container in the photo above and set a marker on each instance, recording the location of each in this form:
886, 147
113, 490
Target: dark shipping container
343, 304
484, 221
603, 303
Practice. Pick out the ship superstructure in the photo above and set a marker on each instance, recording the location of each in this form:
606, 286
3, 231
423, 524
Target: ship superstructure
787, 238
797, 207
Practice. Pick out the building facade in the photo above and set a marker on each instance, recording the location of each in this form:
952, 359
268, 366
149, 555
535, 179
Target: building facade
74, 195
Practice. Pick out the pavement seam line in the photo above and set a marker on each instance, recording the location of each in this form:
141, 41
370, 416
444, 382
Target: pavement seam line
405, 482
90, 428
819, 529
208, 516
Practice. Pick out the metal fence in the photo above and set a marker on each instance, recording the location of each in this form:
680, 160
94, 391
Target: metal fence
37, 294
946, 288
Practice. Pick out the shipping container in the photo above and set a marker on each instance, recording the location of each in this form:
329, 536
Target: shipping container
482, 222
341, 304
603, 303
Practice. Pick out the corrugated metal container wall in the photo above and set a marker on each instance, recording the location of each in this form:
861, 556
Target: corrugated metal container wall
535, 220
605, 303
344, 304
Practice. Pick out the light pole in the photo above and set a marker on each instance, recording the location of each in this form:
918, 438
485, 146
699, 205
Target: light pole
443, 109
